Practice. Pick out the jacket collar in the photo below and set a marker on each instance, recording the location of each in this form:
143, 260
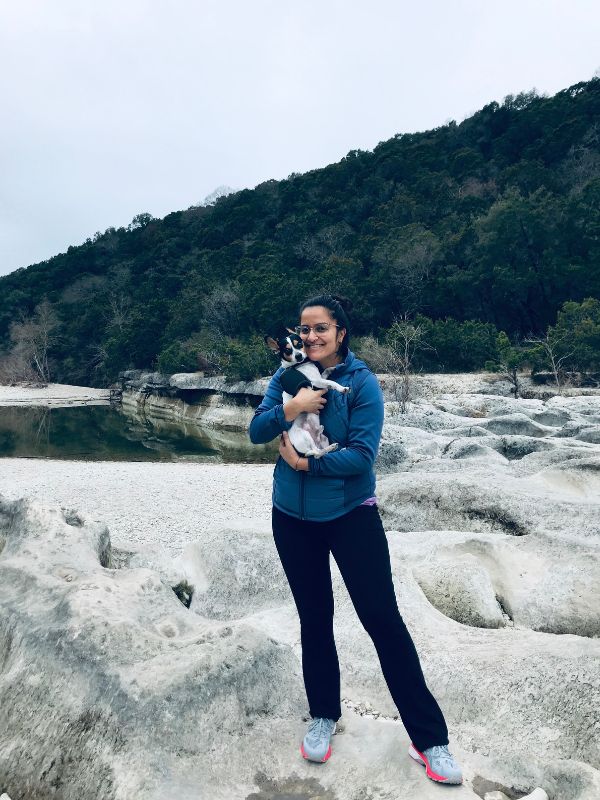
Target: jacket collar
350, 364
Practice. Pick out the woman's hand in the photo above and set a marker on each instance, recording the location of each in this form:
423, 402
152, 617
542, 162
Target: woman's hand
309, 400
288, 452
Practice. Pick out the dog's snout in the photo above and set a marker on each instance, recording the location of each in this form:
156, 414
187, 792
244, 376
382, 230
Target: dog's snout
298, 356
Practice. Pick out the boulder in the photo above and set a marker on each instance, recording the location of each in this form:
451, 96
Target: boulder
109, 686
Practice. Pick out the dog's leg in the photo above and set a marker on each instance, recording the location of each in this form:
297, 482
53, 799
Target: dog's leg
322, 383
318, 453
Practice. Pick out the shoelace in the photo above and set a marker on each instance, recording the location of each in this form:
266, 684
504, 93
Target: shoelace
441, 751
317, 728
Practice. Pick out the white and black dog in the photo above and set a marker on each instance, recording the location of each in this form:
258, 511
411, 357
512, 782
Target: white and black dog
306, 433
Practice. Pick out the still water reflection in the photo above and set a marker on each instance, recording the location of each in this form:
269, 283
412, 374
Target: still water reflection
105, 433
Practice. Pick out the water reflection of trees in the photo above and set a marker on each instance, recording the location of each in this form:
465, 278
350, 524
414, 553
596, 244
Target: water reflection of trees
183, 437
109, 434
42, 419
19, 427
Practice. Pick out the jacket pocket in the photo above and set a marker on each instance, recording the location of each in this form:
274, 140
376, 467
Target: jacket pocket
286, 488
324, 497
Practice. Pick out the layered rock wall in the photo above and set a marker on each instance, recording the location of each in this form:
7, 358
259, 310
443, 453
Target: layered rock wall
216, 402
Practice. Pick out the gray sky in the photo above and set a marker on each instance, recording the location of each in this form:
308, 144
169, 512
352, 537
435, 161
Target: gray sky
116, 107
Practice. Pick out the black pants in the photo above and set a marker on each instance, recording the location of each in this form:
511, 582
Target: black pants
359, 546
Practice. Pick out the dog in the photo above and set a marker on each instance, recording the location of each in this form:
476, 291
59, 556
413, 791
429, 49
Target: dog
306, 433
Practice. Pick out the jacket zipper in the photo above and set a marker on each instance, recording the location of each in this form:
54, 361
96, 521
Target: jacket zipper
302, 495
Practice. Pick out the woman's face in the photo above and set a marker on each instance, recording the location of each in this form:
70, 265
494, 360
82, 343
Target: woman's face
322, 347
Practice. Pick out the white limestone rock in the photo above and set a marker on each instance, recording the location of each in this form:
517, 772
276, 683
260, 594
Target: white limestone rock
236, 572
539, 582
109, 687
517, 423
462, 589
476, 447
390, 457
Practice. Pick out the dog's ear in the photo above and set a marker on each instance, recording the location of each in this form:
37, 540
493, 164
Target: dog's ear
272, 344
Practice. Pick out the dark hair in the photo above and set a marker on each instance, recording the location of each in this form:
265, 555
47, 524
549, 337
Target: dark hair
339, 307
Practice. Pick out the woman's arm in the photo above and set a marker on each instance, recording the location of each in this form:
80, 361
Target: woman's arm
272, 418
269, 418
366, 423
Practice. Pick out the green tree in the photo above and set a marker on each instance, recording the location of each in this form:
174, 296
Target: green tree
576, 335
511, 361
457, 346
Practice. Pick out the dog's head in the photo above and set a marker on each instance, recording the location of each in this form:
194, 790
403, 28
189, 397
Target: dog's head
288, 346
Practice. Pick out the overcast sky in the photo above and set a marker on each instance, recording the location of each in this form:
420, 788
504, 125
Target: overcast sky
116, 107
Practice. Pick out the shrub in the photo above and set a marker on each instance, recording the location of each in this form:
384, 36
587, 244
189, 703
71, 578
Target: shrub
375, 354
247, 359
457, 346
236, 358
576, 335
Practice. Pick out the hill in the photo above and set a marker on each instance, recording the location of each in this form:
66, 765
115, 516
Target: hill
495, 220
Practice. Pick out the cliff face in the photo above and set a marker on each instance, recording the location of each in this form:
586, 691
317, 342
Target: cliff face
211, 402
217, 403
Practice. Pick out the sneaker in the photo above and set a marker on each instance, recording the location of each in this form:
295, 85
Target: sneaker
315, 746
439, 764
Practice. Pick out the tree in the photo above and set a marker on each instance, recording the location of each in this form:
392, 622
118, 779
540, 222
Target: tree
548, 348
403, 339
457, 346
221, 310
576, 335
140, 221
32, 338
119, 306
406, 257
511, 361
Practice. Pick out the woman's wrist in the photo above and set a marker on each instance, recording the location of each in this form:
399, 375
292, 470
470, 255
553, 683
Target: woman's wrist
290, 411
301, 464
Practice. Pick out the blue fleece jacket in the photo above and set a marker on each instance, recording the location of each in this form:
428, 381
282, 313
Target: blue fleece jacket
339, 481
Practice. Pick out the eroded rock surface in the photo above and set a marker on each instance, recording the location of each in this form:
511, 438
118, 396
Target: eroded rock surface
110, 687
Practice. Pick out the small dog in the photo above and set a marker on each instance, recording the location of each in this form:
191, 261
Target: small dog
306, 433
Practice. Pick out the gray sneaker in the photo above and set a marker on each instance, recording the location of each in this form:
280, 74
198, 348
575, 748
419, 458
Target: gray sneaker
439, 764
315, 746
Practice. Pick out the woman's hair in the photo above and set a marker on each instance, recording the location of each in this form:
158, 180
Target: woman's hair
339, 307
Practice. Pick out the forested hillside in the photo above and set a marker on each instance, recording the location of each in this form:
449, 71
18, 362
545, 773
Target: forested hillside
495, 220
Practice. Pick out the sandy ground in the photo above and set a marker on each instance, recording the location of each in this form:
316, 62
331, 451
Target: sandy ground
145, 504
54, 394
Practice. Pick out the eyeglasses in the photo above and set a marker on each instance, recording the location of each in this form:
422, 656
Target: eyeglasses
319, 328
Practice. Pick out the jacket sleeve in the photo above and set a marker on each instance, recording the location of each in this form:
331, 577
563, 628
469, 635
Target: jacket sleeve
268, 420
366, 423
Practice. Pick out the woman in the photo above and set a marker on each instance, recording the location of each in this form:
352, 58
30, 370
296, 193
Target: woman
328, 505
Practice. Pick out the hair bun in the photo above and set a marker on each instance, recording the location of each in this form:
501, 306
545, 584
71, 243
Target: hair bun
345, 302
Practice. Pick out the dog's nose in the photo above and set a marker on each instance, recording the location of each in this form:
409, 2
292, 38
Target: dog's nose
298, 356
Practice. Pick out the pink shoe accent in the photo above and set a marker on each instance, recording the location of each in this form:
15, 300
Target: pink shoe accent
423, 760
327, 755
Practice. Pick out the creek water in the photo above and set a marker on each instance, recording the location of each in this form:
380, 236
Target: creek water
106, 433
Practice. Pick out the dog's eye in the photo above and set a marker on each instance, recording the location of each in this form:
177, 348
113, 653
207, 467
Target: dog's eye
288, 349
